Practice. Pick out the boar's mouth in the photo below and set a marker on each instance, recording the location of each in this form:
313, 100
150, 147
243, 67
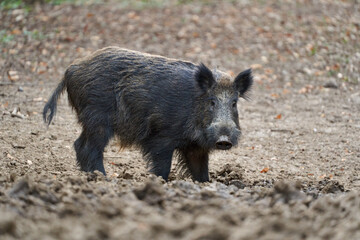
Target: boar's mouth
223, 143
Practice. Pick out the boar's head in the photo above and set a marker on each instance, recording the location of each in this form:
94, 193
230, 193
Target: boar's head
216, 108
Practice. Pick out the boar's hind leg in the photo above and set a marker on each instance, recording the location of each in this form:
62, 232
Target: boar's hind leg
89, 149
194, 160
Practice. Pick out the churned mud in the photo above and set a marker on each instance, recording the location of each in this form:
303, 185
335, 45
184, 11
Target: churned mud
294, 175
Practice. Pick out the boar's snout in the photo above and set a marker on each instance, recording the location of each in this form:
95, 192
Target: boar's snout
223, 136
223, 143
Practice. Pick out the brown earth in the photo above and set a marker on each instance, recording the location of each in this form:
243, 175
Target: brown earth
295, 174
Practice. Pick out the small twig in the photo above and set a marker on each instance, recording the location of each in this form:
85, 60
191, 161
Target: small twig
6, 83
282, 130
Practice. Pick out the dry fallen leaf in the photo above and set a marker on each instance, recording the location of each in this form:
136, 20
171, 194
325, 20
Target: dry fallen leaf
195, 34
13, 51
44, 64
15, 32
275, 95
115, 175
319, 73
132, 15
68, 39
44, 18
335, 67
235, 51
256, 66
285, 91
13, 75
306, 89
269, 71
303, 90
213, 45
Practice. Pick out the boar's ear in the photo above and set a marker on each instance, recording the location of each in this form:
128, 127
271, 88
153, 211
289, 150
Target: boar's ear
204, 77
243, 82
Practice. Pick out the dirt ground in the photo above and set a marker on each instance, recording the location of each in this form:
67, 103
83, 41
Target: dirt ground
295, 174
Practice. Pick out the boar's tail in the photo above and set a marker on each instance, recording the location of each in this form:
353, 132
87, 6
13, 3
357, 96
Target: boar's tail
52, 103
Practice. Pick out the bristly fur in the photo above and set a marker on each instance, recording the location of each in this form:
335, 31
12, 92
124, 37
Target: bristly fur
51, 104
157, 104
244, 82
181, 166
193, 161
204, 77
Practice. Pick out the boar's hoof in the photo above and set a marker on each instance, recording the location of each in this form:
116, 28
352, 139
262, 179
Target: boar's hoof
223, 143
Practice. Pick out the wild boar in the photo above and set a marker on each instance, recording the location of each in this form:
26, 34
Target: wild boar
157, 104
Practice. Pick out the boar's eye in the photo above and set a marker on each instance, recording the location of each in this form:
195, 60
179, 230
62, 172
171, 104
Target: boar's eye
212, 102
234, 103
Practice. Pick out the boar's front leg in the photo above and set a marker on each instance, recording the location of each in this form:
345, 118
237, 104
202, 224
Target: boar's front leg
195, 161
159, 155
